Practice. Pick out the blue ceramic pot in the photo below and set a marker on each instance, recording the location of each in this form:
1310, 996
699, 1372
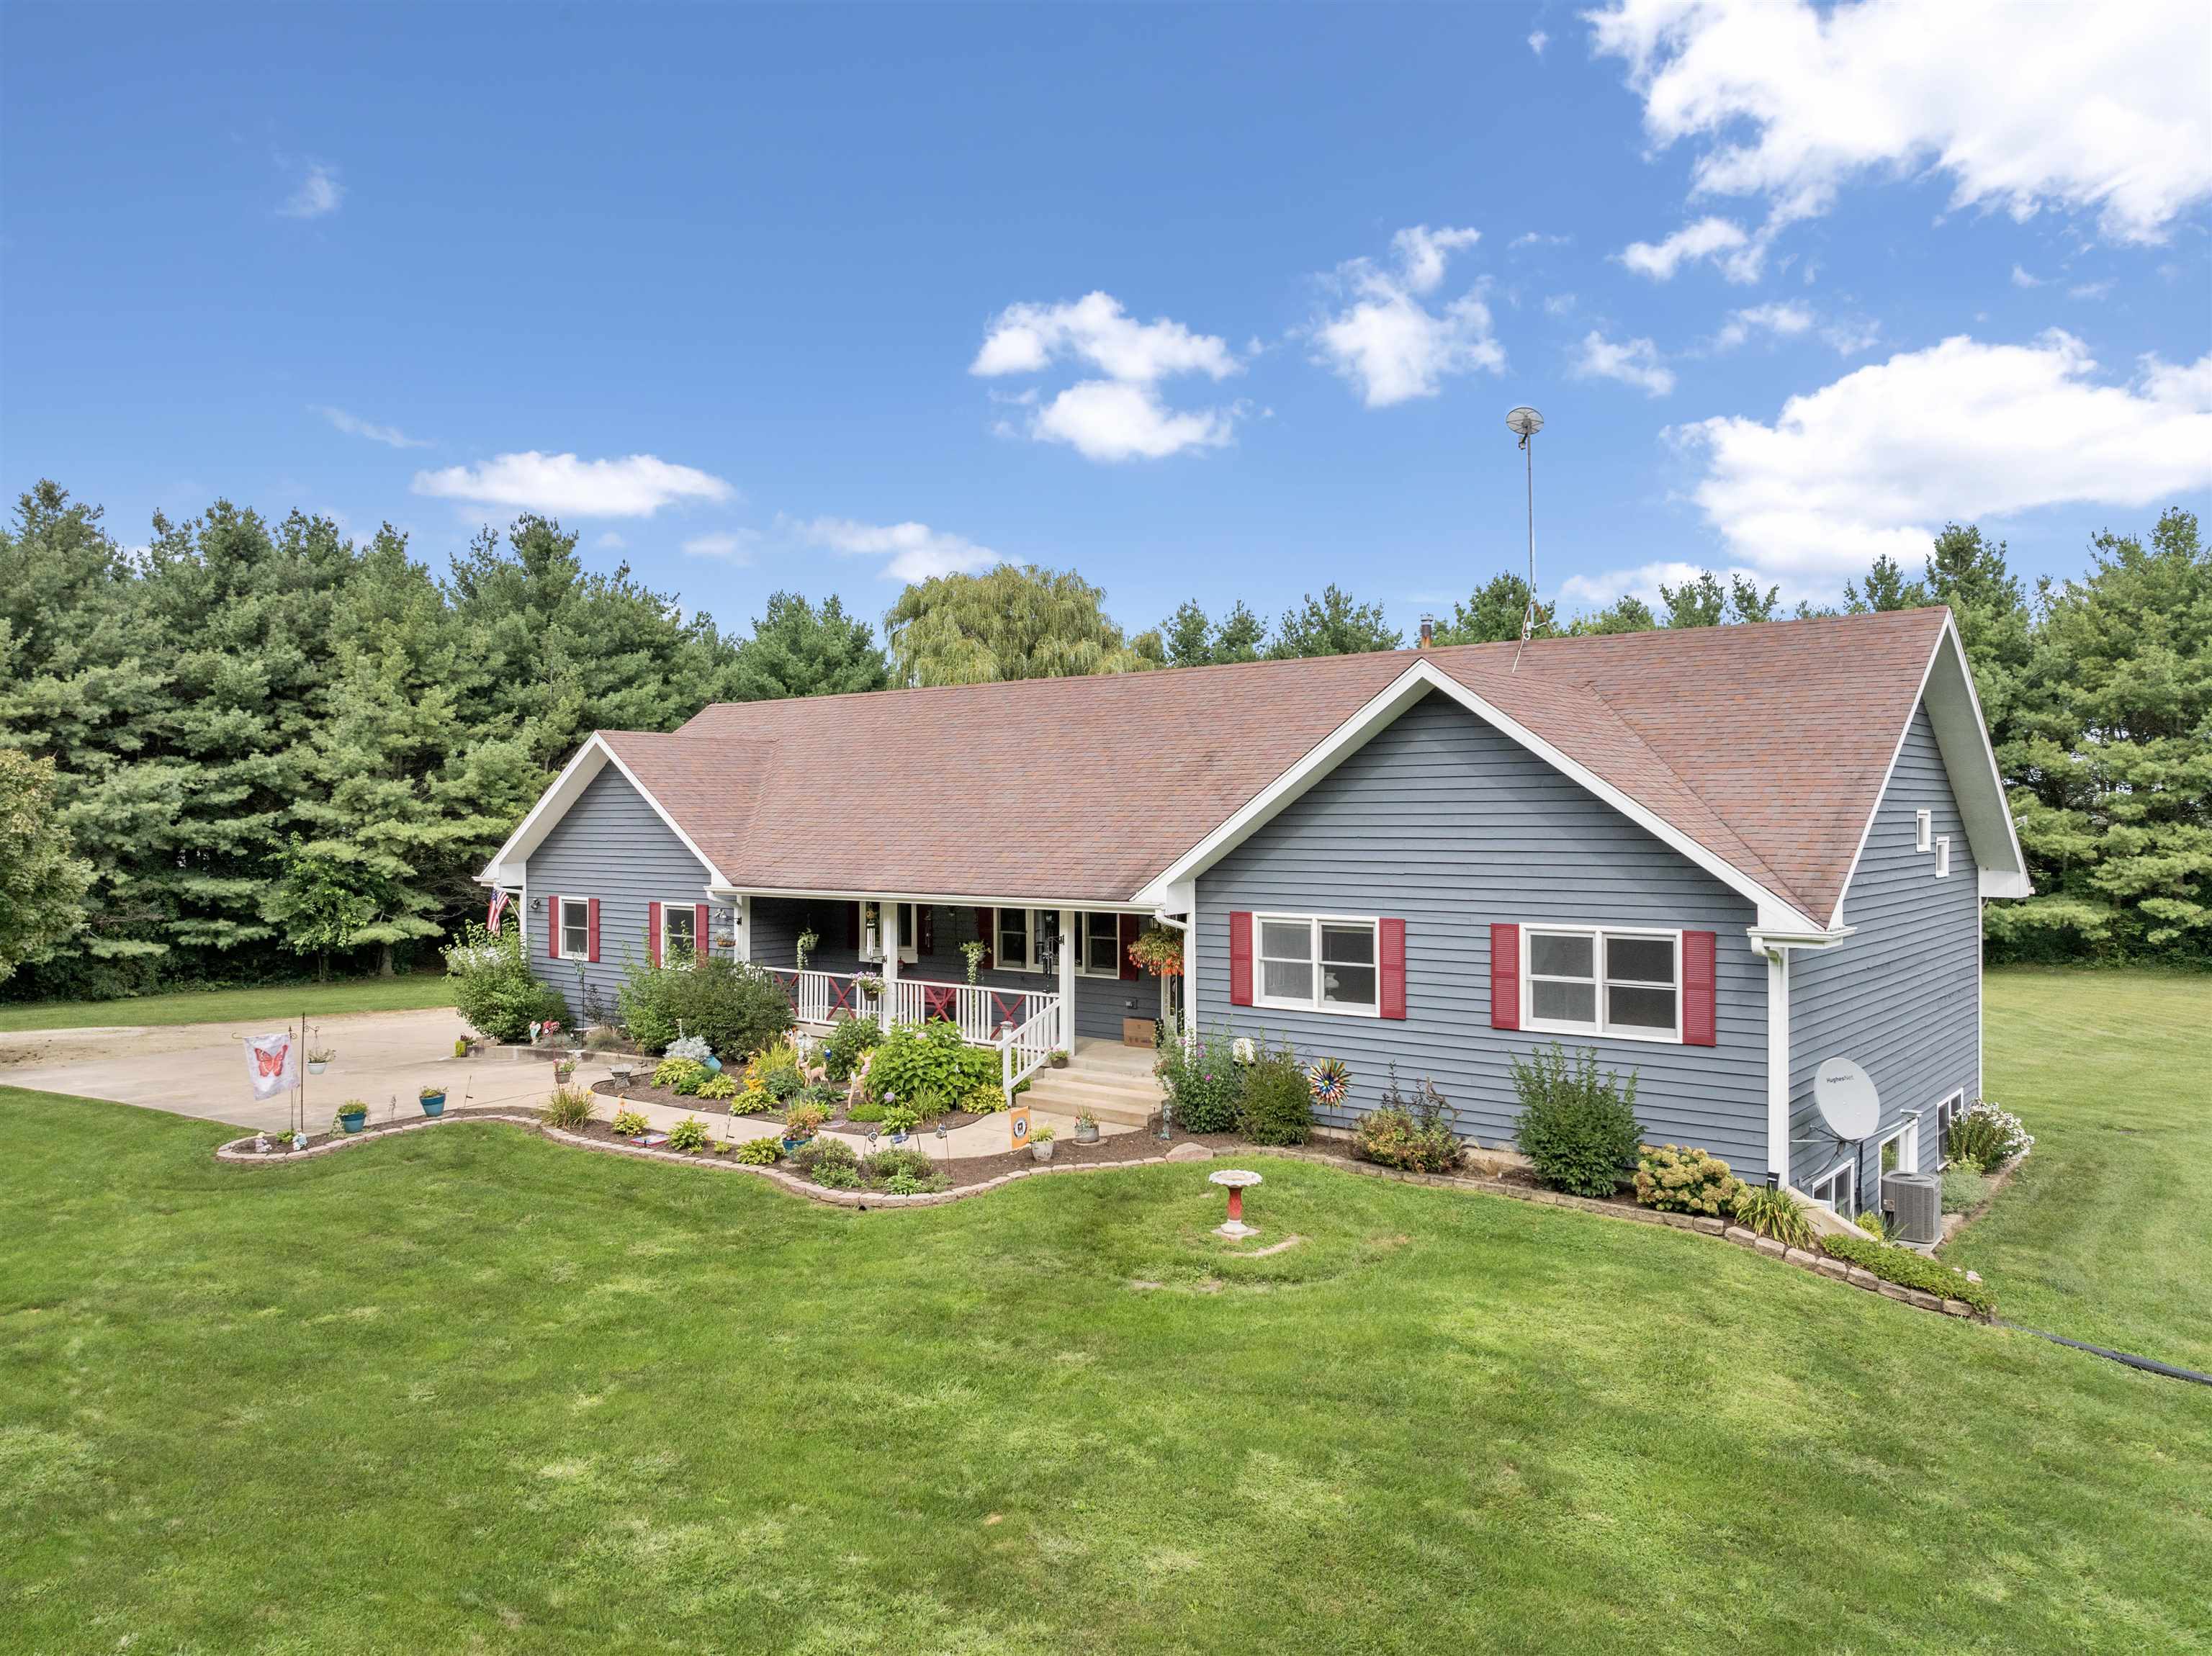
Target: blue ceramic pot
355, 1121
434, 1104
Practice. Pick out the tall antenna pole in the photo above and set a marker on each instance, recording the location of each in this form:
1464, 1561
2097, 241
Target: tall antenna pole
1526, 422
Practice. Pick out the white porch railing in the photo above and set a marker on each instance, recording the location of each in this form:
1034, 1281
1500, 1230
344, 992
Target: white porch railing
1024, 1049
818, 997
979, 1011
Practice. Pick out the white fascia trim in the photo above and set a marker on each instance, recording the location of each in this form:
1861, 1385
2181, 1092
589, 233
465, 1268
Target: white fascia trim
1401, 693
575, 776
2009, 878
727, 891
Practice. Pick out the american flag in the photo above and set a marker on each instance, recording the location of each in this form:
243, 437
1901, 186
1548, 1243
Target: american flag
498, 908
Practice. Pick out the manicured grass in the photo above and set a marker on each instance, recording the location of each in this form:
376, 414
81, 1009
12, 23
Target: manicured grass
283, 1000
470, 1390
2105, 1233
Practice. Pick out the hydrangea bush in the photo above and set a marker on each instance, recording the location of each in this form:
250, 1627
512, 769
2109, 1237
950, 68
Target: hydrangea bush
1987, 1136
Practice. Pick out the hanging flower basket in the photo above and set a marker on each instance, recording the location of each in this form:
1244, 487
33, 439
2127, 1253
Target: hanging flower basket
1158, 950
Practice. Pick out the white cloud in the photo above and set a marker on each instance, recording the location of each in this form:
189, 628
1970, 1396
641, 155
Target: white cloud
1559, 305
2020, 107
1121, 417
1633, 362
916, 551
1875, 462
2089, 290
1538, 41
1387, 342
1113, 420
1784, 320
320, 193
1850, 337
391, 436
2020, 278
611, 542
636, 486
1740, 256
735, 545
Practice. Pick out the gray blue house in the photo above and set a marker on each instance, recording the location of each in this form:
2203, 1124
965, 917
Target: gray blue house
1717, 856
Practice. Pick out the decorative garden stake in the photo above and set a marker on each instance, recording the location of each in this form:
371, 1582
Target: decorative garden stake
1236, 1179
1167, 1122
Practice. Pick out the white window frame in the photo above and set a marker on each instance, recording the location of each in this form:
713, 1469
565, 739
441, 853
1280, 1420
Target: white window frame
1923, 830
1314, 924
689, 909
1030, 962
1942, 856
1599, 1029
1906, 1136
1084, 917
909, 926
1848, 1173
583, 924
1948, 1108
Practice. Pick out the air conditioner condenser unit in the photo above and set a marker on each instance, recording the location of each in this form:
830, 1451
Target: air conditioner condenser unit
1915, 1199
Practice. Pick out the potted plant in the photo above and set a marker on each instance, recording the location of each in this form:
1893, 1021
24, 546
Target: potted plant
975, 949
1059, 1058
318, 1059
807, 942
1086, 1126
353, 1115
563, 1069
1040, 1144
432, 1099
801, 1121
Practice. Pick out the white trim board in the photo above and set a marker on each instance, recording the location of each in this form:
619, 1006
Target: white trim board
1401, 693
579, 774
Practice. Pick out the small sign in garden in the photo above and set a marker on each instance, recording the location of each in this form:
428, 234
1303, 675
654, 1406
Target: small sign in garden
1018, 1125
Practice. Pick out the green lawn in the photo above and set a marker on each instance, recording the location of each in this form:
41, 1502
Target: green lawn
283, 1000
2105, 1234
470, 1390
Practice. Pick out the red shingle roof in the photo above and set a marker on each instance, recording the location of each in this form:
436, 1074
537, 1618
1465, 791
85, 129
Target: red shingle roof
1766, 744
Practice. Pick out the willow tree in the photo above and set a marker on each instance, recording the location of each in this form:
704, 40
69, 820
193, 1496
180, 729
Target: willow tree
1009, 623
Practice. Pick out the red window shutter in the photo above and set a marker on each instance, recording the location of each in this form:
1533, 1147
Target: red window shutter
925, 929
1698, 952
653, 932
1132, 924
1504, 977
701, 944
852, 926
592, 929
987, 928
1240, 958
553, 929
1392, 940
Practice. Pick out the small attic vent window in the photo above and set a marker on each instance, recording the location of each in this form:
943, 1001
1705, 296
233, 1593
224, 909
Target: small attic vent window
1924, 829
1943, 856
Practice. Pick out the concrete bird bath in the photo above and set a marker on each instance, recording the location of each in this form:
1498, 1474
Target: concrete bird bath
1237, 1178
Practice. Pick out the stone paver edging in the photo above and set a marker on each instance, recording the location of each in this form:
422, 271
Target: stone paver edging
238, 1153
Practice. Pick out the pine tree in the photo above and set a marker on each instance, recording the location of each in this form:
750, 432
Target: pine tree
1626, 614
1887, 588
1189, 638
41, 884
797, 650
1495, 613
1333, 625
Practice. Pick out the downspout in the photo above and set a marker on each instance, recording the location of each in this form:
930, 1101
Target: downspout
1161, 917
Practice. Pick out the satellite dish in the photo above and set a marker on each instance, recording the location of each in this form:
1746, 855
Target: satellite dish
1524, 423
1844, 1094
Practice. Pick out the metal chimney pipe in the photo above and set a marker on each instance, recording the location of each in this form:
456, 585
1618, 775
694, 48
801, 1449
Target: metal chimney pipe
1428, 631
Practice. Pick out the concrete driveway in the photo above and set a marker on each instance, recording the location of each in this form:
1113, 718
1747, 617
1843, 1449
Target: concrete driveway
200, 1069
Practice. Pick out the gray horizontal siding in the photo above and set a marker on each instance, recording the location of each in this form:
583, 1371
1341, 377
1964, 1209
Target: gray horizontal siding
1101, 1004
1902, 996
1442, 821
611, 845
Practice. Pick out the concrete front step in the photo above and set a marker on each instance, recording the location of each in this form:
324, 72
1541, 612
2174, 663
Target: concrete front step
1128, 1100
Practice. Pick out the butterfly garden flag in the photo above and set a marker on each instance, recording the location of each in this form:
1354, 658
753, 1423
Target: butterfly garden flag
271, 1063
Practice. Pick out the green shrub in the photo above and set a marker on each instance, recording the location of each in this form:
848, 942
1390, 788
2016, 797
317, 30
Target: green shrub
1987, 1136
629, 1124
912, 1059
777, 1070
493, 989
1870, 1222
849, 1040
1278, 1103
720, 1086
1576, 1127
1906, 1268
1965, 1189
689, 1136
983, 1101
1773, 1213
829, 1161
760, 1152
902, 1170
1414, 1134
1678, 1180
1203, 1081
736, 1009
899, 1117
866, 1110
570, 1108
678, 1071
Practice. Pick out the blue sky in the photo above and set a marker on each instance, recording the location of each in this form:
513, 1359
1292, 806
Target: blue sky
1214, 303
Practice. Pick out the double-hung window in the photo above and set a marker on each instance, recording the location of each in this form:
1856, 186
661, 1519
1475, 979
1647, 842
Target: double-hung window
679, 934
575, 928
1838, 1191
1591, 980
1098, 946
1017, 950
1316, 963
1947, 1112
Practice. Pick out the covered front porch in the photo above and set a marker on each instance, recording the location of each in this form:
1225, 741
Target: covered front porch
1027, 980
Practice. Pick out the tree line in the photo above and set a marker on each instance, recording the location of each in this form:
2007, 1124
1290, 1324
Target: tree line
248, 745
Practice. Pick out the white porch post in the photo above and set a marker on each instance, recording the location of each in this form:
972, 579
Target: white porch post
1067, 981
1778, 1063
746, 926
887, 933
